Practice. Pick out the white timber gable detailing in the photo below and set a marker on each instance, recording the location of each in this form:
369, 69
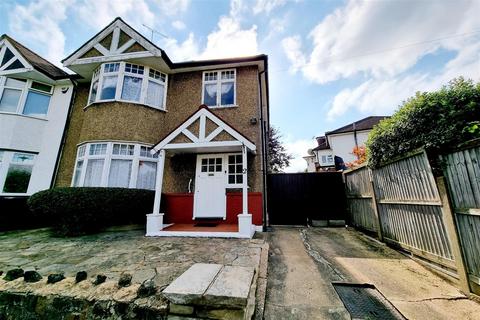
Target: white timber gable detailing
115, 50
201, 140
8, 56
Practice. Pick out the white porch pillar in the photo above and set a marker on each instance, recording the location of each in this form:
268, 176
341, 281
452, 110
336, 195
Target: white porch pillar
155, 219
245, 218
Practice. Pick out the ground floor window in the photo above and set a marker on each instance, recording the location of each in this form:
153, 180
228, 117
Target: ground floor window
115, 164
15, 171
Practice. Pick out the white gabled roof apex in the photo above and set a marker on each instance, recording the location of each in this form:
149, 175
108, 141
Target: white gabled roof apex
115, 48
202, 114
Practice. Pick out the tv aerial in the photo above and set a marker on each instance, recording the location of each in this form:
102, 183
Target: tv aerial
153, 32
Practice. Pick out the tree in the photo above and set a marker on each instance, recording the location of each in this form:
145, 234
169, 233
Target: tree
278, 158
360, 153
429, 120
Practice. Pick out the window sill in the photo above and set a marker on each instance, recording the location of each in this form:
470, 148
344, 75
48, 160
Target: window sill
14, 195
23, 116
232, 106
124, 101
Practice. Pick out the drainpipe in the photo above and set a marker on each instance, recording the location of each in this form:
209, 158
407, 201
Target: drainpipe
355, 134
64, 134
264, 132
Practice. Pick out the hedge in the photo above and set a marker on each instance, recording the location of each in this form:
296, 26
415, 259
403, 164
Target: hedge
78, 211
15, 215
429, 120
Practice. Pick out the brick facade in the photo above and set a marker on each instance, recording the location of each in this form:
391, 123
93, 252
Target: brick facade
137, 123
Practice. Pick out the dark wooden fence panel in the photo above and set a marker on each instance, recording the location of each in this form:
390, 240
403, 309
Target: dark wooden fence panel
298, 198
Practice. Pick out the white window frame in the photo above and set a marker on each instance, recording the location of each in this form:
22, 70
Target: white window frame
5, 160
219, 82
100, 73
108, 157
23, 96
234, 185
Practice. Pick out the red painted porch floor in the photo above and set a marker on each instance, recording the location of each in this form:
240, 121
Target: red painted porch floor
192, 227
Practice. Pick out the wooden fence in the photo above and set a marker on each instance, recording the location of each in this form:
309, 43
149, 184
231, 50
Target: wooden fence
409, 208
462, 173
360, 201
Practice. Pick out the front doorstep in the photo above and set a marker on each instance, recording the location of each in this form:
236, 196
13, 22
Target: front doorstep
204, 234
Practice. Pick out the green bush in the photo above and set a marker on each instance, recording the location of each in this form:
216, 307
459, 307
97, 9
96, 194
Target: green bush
430, 120
77, 211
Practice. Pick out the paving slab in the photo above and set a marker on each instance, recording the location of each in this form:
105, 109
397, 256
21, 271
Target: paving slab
160, 260
189, 287
231, 287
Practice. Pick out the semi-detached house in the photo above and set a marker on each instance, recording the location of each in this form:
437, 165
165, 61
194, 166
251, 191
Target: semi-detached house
35, 96
192, 131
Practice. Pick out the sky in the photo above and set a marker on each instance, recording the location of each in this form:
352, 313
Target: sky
331, 62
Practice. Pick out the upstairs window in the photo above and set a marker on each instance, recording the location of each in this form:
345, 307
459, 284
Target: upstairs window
24, 96
219, 88
128, 82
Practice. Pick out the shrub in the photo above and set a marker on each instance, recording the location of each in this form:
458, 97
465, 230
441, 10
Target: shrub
77, 211
430, 120
15, 215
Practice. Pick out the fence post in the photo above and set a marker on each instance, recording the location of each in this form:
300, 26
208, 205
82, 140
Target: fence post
450, 225
375, 205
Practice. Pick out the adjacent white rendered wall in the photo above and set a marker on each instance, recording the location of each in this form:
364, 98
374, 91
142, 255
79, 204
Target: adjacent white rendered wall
343, 144
326, 152
310, 163
43, 136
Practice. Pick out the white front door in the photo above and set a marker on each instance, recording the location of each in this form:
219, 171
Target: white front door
210, 199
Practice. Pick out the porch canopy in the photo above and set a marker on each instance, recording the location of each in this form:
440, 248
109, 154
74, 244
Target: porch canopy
202, 132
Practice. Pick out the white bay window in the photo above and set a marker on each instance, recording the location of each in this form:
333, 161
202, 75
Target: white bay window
128, 82
115, 164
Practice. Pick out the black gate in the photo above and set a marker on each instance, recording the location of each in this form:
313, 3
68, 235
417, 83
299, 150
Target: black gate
299, 198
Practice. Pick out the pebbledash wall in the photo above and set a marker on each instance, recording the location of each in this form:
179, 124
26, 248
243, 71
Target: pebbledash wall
130, 122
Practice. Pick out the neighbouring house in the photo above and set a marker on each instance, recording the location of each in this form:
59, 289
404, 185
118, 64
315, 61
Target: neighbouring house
335, 148
35, 98
192, 131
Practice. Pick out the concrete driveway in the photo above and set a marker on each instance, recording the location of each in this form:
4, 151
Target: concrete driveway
304, 262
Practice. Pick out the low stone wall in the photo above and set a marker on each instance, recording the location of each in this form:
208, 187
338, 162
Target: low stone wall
116, 275
15, 305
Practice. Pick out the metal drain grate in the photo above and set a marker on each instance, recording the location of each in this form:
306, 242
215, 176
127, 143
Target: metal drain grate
364, 301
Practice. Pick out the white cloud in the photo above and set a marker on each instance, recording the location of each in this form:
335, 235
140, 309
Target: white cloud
230, 40
98, 14
383, 96
172, 7
187, 50
179, 25
38, 25
298, 149
266, 6
383, 41
293, 49
344, 40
